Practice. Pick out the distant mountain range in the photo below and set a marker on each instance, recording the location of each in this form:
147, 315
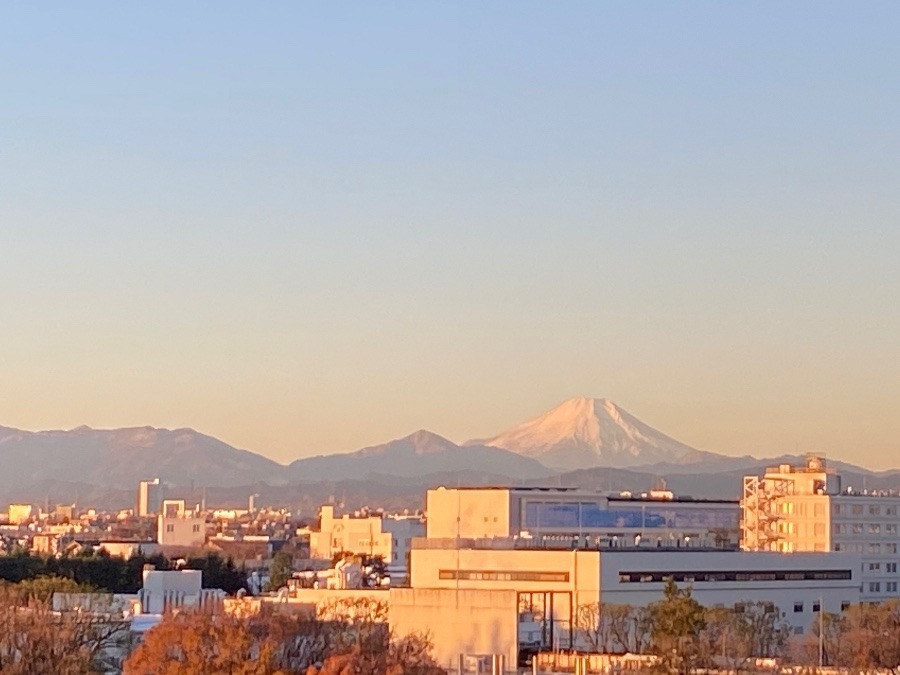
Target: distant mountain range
591, 443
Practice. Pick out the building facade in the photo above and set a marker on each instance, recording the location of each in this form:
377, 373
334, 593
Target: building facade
177, 526
657, 519
793, 509
388, 537
150, 498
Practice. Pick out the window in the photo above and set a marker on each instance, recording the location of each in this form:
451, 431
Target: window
170, 528
874, 528
891, 567
196, 528
856, 509
874, 548
845, 606
798, 630
890, 528
819, 510
874, 510
890, 548
874, 587
820, 529
891, 510
837, 509
492, 575
839, 529
857, 528
798, 607
891, 586
817, 607
790, 576
874, 567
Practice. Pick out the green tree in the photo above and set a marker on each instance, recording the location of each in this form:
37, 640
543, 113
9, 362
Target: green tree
280, 570
677, 622
41, 589
219, 573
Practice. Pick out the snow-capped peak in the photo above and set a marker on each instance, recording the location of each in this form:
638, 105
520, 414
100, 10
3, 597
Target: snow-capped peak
584, 432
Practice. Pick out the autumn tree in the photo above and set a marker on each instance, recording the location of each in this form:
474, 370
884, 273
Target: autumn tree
34, 640
862, 638
196, 642
344, 636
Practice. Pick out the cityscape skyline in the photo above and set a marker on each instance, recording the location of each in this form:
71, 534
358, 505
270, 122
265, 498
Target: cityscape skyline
308, 230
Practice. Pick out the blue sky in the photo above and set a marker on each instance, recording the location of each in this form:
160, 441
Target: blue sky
306, 229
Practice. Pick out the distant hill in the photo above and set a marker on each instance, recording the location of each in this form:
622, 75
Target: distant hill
418, 454
593, 443
119, 458
582, 433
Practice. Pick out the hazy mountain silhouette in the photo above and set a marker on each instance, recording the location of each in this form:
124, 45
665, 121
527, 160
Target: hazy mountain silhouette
418, 454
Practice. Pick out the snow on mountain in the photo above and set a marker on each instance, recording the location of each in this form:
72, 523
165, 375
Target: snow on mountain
586, 432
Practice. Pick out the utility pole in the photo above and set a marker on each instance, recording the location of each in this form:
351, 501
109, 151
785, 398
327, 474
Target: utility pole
821, 632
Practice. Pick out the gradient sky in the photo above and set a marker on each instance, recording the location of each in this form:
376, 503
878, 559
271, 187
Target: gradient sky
309, 228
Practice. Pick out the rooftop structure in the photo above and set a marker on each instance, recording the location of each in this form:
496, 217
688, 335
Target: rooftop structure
657, 519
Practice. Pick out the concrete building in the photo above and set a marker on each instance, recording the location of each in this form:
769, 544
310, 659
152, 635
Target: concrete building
388, 536
20, 513
657, 519
511, 598
555, 582
176, 526
150, 498
166, 590
805, 508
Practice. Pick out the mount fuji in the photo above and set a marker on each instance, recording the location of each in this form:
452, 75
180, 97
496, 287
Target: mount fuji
583, 433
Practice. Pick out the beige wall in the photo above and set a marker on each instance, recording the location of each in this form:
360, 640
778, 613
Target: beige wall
458, 622
481, 513
181, 531
19, 513
576, 573
363, 536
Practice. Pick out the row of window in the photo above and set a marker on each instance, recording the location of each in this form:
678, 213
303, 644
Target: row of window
860, 509
749, 575
871, 548
889, 567
538, 515
499, 575
861, 528
889, 587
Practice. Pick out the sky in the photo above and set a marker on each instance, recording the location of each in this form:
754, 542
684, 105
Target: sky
307, 228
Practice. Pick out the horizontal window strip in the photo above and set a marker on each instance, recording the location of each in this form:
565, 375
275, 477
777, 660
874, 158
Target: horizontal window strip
503, 575
735, 575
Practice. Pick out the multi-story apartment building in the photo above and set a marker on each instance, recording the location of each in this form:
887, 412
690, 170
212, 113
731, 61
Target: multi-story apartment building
150, 497
795, 509
387, 536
